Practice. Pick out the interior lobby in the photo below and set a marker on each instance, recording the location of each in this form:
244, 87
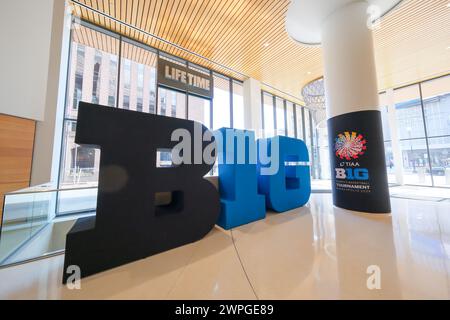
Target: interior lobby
356, 93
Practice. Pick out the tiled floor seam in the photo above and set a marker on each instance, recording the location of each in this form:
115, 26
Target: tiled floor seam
242, 265
181, 273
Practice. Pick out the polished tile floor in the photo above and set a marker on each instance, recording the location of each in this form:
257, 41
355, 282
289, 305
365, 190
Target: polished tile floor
316, 252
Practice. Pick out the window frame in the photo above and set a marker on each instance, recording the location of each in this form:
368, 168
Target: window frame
160, 53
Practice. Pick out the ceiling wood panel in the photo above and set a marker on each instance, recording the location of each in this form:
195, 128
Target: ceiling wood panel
410, 44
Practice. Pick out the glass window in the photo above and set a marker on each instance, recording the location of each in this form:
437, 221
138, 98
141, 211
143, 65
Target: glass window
415, 162
222, 103
78, 89
309, 142
323, 161
238, 106
436, 96
126, 84
281, 119
80, 165
290, 119
440, 160
93, 76
138, 79
92, 70
140, 88
200, 110
308, 130
436, 101
411, 130
385, 117
300, 128
96, 78
409, 113
172, 103
390, 162
269, 118
112, 81
69, 201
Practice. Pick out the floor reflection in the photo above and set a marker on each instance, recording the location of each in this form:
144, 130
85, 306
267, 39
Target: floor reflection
315, 252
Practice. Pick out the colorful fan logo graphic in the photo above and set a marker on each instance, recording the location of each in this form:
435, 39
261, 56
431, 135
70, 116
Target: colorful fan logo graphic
350, 146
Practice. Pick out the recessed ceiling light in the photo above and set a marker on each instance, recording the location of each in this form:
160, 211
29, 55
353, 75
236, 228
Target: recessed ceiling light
309, 72
265, 45
448, 5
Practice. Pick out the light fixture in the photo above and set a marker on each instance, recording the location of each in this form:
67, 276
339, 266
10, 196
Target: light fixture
309, 73
265, 45
448, 5
314, 96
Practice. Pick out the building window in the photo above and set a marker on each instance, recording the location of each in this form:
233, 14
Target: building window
281, 118
83, 158
290, 108
126, 102
78, 88
172, 103
140, 88
436, 103
94, 57
238, 105
152, 90
112, 89
268, 115
126, 80
96, 78
299, 114
79, 166
138, 77
411, 131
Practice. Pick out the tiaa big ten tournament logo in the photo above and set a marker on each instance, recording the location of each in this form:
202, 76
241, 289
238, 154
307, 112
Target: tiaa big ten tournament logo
350, 147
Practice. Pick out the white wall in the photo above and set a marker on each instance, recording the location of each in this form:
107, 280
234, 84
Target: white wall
35, 39
25, 35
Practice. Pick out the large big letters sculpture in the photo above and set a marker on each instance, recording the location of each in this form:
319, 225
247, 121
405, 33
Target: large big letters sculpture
129, 224
290, 186
132, 223
238, 180
275, 177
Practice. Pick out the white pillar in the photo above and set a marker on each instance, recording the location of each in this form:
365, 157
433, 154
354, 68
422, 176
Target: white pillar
350, 74
354, 119
25, 30
252, 106
395, 142
33, 68
47, 147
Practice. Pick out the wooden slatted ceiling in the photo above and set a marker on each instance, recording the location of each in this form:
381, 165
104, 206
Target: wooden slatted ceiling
249, 37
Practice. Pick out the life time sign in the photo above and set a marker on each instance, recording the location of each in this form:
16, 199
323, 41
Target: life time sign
131, 221
175, 76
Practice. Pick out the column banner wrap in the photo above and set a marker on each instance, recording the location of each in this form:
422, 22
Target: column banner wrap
358, 162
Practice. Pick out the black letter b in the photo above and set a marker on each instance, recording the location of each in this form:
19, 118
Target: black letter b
142, 210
